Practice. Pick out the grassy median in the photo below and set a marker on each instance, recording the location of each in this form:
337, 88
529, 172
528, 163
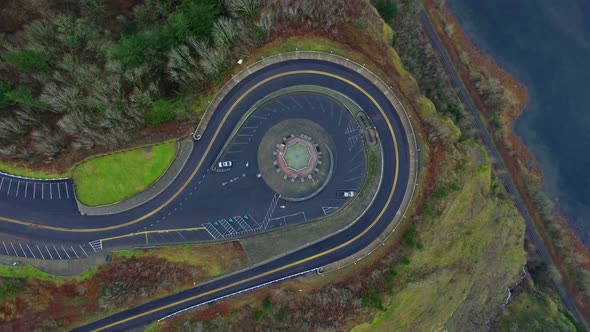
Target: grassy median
112, 178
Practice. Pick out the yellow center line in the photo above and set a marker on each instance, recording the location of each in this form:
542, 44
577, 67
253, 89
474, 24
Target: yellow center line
326, 252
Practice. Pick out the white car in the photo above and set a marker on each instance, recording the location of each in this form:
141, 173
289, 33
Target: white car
224, 164
345, 194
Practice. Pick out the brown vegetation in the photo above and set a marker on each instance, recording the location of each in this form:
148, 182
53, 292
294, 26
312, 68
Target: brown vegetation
120, 284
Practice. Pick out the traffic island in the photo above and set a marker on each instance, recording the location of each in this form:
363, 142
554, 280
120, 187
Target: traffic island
295, 159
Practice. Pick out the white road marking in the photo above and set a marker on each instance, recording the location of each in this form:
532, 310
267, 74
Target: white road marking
17, 188
50, 191
23, 249
1, 183
30, 250
5, 248
12, 245
34, 189
75, 252
352, 179
9, 184
83, 251
67, 192
66, 252
58, 191
42, 190
26, 188
49, 252
42, 256
57, 252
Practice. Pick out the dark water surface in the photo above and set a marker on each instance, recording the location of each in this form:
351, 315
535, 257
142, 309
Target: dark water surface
546, 45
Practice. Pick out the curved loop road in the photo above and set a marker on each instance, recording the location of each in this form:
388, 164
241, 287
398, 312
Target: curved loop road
396, 185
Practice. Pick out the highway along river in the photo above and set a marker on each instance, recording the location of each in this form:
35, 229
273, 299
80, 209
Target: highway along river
546, 45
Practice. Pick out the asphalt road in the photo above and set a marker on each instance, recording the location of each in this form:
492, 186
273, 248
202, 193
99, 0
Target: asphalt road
369, 227
199, 191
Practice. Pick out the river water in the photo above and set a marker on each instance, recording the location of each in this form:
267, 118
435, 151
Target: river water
546, 45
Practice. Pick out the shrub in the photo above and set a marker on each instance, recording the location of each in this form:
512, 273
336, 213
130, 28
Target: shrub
29, 61
410, 237
163, 111
387, 9
141, 48
4, 99
24, 98
195, 18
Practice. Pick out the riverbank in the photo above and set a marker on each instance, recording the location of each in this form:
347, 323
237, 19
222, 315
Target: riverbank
568, 252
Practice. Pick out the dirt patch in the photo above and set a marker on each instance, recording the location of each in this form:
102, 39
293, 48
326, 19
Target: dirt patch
148, 152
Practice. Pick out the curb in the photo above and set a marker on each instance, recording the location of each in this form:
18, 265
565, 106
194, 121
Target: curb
184, 150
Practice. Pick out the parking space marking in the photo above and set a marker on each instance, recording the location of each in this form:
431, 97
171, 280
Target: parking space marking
95, 244
57, 252
354, 178
1, 183
9, 184
17, 188
212, 231
34, 190
295, 101
23, 249
26, 188
41, 252
84, 251
288, 216
12, 245
49, 252
329, 209
357, 154
42, 191
30, 250
50, 190
242, 223
58, 191
75, 253
283, 105
350, 170
67, 193
66, 252
5, 248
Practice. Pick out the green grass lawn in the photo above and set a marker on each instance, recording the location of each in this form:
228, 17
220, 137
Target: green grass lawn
109, 179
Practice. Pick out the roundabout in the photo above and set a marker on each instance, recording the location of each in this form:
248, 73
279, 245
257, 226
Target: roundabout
202, 204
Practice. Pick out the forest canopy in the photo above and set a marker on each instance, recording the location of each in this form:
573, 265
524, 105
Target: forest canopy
78, 76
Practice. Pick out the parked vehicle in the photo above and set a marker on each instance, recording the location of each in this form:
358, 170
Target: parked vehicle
345, 194
224, 164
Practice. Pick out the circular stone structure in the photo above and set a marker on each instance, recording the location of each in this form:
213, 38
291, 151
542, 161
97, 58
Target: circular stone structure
296, 158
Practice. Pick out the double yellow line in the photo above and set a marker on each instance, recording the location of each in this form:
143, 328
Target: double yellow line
326, 252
